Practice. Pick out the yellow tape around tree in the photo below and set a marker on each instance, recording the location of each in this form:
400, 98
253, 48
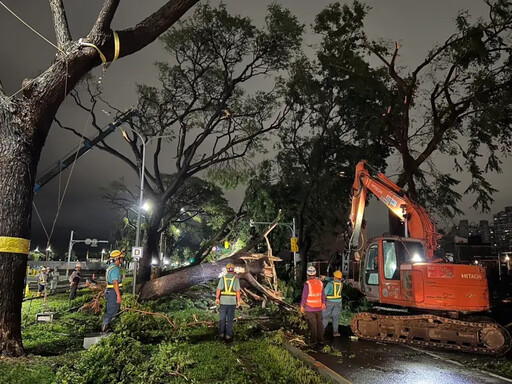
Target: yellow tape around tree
14, 245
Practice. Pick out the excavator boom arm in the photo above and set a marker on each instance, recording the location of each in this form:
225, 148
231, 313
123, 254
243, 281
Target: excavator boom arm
419, 224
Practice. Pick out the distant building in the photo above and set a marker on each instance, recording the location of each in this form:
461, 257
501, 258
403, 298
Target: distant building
503, 230
481, 233
463, 229
485, 231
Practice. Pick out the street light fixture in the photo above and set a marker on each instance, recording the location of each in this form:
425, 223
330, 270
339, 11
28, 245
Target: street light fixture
141, 192
146, 207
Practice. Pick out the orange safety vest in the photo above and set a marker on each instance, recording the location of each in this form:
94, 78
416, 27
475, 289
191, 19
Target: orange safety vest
316, 288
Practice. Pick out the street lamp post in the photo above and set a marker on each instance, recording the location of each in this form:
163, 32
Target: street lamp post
141, 193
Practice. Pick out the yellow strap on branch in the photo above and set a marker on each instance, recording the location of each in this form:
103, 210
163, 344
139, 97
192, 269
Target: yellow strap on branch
102, 56
117, 48
14, 245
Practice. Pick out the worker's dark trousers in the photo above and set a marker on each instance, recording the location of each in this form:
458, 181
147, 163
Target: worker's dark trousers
315, 326
112, 306
227, 315
332, 311
72, 293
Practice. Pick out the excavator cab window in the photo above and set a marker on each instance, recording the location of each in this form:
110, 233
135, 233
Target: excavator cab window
392, 261
397, 252
372, 265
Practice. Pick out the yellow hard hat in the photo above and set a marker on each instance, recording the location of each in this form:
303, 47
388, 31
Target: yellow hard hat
338, 274
116, 254
230, 267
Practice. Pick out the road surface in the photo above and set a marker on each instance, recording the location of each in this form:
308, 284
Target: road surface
364, 362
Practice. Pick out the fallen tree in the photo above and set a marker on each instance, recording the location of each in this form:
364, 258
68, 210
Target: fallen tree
248, 266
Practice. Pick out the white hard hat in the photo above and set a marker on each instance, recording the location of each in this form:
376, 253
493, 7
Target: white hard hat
311, 271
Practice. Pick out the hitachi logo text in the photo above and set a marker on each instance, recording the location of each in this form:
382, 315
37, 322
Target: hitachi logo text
475, 276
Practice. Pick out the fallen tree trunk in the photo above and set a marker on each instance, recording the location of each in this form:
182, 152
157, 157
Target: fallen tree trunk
247, 265
183, 279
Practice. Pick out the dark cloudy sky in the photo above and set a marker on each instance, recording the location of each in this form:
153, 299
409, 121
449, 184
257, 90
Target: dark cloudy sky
418, 25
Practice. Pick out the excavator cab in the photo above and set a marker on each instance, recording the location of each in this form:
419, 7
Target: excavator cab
380, 272
395, 270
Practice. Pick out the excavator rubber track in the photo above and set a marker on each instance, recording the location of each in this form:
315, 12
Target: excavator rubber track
433, 331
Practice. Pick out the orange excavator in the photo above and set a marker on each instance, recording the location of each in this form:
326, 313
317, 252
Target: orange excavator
419, 299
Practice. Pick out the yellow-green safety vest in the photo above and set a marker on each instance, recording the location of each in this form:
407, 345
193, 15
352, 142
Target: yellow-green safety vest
228, 289
106, 277
337, 291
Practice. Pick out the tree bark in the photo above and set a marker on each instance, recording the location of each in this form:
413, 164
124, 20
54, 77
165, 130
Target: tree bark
150, 243
18, 162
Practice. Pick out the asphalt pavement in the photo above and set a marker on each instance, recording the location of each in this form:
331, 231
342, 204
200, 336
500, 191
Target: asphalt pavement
364, 362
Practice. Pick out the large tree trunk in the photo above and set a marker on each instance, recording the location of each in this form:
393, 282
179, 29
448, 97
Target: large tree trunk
18, 162
151, 241
396, 225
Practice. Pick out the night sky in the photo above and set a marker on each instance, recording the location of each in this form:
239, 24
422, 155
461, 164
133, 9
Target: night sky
417, 25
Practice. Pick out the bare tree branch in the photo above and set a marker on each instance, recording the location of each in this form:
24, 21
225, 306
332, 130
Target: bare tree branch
60, 23
2, 93
391, 67
105, 17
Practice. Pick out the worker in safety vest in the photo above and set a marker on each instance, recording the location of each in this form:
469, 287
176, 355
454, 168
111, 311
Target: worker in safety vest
333, 303
228, 297
113, 292
313, 303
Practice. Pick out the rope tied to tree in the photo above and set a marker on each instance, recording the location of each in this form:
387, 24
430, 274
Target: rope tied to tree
106, 64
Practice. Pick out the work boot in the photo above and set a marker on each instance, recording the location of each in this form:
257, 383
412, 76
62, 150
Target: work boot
105, 328
222, 336
229, 339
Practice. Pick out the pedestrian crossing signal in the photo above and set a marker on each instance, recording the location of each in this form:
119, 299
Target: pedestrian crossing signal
294, 244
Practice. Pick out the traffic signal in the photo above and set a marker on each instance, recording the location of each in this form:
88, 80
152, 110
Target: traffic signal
294, 244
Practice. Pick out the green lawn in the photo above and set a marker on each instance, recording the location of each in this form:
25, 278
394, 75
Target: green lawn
147, 349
